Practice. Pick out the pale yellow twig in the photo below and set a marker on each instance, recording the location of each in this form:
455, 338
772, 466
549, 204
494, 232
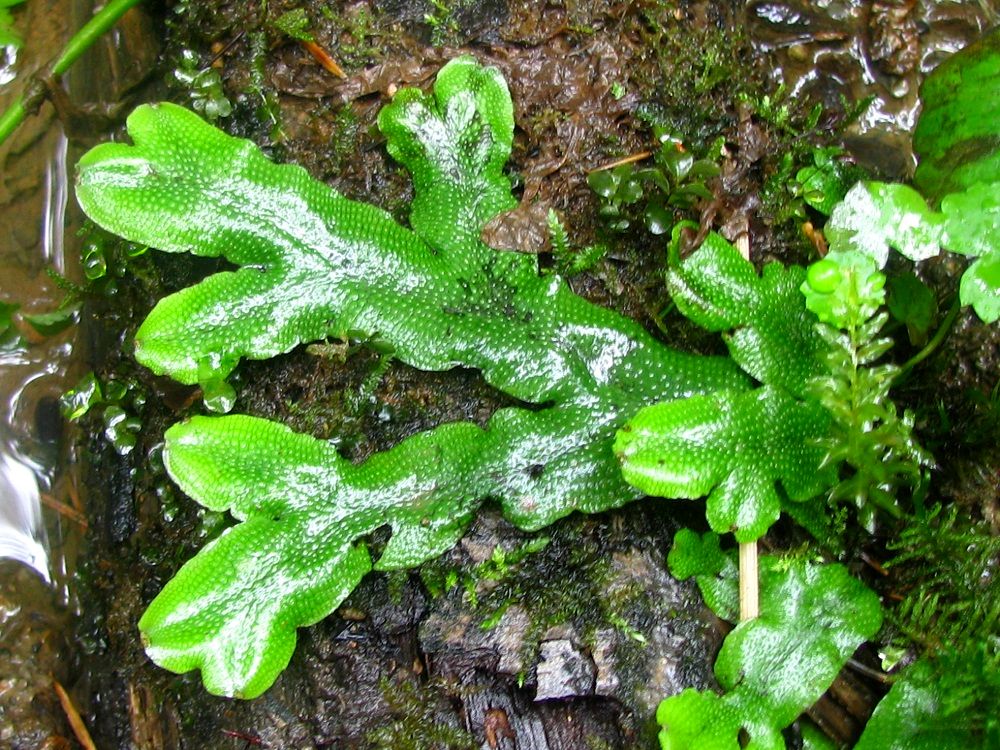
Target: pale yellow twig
625, 160
749, 593
749, 586
74, 718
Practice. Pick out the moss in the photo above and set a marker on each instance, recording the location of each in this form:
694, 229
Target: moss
581, 571
443, 23
360, 36
598, 743
946, 569
698, 63
417, 722
577, 558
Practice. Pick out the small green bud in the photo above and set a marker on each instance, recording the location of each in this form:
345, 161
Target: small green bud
823, 276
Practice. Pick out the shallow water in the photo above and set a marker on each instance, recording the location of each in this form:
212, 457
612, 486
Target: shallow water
34, 225
31, 379
33, 375
42, 511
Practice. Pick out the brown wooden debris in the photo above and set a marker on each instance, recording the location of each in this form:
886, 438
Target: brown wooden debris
64, 510
323, 57
73, 717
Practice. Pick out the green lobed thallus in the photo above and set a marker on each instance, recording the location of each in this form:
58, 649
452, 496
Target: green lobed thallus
314, 264
772, 667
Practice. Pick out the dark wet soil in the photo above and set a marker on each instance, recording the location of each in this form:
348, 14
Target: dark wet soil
588, 631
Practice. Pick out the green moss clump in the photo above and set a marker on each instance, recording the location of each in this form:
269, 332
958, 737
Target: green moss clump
417, 724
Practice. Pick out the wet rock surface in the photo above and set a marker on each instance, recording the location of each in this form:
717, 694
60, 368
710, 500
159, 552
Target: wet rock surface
613, 630
33, 655
563, 670
882, 49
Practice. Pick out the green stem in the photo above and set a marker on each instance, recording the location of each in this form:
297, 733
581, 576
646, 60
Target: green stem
855, 429
92, 30
12, 117
81, 41
939, 336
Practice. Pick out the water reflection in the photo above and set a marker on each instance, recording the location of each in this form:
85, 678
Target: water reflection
31, 472
22, 528
8, 59
35, 371
33, 374
54, 209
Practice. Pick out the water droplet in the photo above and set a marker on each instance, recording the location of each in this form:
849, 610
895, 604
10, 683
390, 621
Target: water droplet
94, 264
219, 396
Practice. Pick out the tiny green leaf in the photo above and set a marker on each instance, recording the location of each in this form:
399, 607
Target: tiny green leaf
630, 187
49, 324
659, 220
973, 228
694, 555
78, 400
10, 338
980, 287
7, 310
677, 162
912, 303
121, 429
825, 183
604, 182
716, 573
972, 220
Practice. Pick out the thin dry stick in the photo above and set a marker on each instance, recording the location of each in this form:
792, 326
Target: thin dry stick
749, 585
618, 162
324, 58
63, 509
73, 716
